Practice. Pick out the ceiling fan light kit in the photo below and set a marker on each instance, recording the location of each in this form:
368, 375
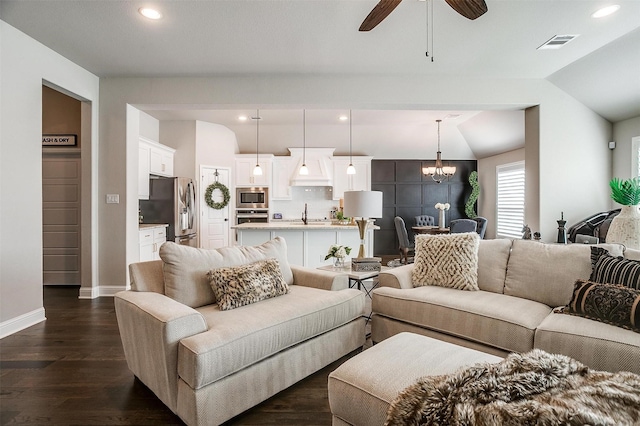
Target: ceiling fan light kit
470, 9
439, 172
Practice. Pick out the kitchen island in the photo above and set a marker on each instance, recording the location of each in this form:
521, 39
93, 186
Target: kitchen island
307, 245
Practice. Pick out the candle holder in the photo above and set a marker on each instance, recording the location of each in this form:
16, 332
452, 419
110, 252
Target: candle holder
562, 232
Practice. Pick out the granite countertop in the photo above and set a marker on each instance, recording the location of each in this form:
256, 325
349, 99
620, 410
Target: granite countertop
152, 225
311, 226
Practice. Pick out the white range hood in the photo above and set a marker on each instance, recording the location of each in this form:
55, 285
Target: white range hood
319, 161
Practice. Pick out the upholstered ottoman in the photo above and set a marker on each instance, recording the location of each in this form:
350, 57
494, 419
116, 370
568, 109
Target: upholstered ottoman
361, 389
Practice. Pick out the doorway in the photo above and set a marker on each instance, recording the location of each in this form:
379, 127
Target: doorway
61, 190
214, 224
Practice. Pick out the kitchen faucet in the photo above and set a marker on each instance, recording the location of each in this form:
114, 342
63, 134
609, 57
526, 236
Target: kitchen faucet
304, 215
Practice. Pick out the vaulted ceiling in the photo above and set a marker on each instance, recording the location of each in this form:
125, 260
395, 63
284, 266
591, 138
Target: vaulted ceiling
316, 37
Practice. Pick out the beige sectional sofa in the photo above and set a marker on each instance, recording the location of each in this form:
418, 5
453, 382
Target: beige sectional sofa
209, 365
520, 283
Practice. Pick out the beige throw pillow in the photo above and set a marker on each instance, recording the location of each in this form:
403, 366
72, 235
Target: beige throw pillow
246, 284
447, 261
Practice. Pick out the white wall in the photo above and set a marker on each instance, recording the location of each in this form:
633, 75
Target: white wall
181, 135
623, 132
487, 180
25, 64
149, 126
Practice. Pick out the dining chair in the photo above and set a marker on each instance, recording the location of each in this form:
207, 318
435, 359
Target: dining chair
425, 220
482, 225
403, 239
457, 226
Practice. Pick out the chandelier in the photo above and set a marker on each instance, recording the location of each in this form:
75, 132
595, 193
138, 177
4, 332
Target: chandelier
439, 172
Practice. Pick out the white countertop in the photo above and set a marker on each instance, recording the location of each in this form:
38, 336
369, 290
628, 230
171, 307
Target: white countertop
298, 226
152, 225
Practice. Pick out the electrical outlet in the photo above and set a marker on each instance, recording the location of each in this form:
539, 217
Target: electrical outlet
113, 198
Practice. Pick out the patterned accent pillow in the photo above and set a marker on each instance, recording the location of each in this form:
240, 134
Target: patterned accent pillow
447, 260
609, 303
245, 284
608, 269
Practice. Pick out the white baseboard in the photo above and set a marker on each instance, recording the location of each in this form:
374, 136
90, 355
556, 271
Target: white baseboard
110, 290
101, 291
88, 292
21, 322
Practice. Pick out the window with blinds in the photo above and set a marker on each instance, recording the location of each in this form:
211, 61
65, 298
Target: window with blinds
510, 200
636, 156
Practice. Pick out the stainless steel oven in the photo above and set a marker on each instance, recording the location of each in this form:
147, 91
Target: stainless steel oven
252, 198
252, 216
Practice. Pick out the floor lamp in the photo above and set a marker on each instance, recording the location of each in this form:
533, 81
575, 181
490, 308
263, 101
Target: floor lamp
365, 205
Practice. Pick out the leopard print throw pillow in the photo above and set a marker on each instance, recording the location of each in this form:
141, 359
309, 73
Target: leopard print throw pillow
241, 285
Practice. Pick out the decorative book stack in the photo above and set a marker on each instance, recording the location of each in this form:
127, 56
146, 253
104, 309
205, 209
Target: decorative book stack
366, 264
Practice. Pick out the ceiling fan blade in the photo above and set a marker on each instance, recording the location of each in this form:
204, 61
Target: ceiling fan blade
377, 15
470, 9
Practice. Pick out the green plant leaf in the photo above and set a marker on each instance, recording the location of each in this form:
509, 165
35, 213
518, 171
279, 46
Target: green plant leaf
625, 192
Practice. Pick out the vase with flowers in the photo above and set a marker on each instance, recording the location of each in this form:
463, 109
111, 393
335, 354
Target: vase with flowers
441, 209
625, 227
338, 253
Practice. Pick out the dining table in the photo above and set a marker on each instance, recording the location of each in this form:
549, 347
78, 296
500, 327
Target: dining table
433, 230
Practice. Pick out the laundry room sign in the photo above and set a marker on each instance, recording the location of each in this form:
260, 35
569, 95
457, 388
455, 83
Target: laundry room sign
58, 140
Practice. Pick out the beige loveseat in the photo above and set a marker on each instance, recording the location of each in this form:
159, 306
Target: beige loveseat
209, 365
520, 283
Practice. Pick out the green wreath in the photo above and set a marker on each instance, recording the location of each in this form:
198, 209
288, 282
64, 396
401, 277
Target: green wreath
225, 196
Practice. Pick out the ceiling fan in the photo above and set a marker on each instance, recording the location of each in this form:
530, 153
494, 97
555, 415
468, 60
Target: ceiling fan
470, 9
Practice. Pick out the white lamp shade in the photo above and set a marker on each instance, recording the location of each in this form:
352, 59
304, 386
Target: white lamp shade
364, 204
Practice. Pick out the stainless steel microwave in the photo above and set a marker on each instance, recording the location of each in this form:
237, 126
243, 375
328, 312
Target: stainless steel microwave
252, 198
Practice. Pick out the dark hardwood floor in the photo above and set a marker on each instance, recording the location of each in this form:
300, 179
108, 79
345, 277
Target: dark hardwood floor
70, 370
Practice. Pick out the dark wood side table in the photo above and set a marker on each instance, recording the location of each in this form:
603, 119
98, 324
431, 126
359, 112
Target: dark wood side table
433, 230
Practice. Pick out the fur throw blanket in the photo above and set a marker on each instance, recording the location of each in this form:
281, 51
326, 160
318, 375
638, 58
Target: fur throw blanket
535, 388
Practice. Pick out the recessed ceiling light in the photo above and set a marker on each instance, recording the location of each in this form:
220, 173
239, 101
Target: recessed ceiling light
150, 13
605, 11
343, 117
242, 117
452, 116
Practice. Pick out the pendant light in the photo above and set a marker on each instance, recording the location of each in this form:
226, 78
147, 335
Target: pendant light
303, 169
350, 169
257, 170
439, 172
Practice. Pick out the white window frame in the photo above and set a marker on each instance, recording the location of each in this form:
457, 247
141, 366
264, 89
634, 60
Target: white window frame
635, 156
512, 226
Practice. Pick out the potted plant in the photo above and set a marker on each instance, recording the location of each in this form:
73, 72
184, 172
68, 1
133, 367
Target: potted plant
625, 227
338, 253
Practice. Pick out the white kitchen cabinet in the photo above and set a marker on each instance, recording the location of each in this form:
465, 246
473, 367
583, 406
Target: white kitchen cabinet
281, 178
245, 163
161, 160
307, 245
143, 171
154, 159
342, 182
150, 240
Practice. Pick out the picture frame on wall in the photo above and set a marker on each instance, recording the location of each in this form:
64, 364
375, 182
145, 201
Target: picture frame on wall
59, 140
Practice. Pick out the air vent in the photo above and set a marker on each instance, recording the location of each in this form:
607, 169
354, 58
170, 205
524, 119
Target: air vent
556, 42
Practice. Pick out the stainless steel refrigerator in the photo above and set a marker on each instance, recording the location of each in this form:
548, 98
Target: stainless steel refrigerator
173, 201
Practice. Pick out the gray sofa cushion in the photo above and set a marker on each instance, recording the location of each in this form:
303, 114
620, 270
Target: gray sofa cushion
243, 336
546, 273
598, 345
496, 320
185, 268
